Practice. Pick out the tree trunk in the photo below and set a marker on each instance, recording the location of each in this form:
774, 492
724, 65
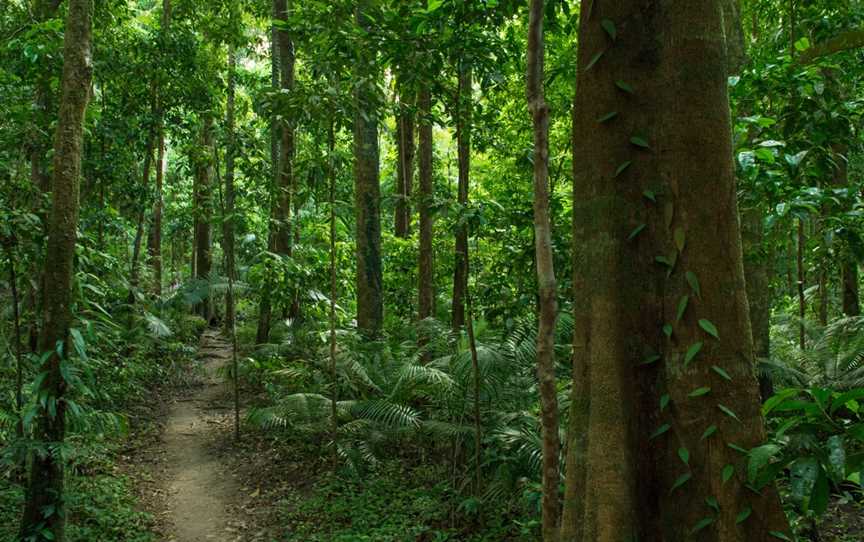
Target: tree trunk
404, 167
658, 279
334, 394
265, 308
154, 240
44, 514
802, 303
367, 190
203, 201
285, 182
463, 150
425, 200
757, 278
228, 219
547, 285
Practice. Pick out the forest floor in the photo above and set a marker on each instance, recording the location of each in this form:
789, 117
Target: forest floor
184, 474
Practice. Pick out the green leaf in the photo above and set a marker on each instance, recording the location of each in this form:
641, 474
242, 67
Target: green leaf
737, 448
720, 371
780, 536
667, 330
610, 29
660, 430
693, 281
664, 401
664, 260
650, 360
709, 328
708, 432
743, 515
692, 352
682, 307
636, 231
684, 454
683, 479
640, 142
594, 60
728, 411
622, 168
680, 239
624, 86
701, 524
607, 117
727, 473
759, 458
712, 503
699, 392
837, 457
650, 195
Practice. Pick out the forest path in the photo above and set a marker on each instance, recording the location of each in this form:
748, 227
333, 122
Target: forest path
198, 487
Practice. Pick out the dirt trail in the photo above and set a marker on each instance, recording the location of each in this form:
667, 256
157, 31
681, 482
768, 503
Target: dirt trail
198, 488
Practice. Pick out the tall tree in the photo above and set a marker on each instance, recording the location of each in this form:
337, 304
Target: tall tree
547, 285
425, 197
367, 184
265, 308
203, 211
463, 151
228, 219
154, 240
662, 339
44, 515
404, 162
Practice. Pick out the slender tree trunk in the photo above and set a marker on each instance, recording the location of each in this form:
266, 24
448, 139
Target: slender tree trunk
334, 394
659, 279
848, 265
154, 240
425, 199
134, 266
265, 308
802, 303
44, 514
203, 201
547, 285
757, 277
228, 219
405, 166
463, 149
17, 346
367, 190
285, 184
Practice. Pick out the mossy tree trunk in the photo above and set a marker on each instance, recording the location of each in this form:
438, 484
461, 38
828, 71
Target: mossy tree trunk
367, 187
463, 151
44, 514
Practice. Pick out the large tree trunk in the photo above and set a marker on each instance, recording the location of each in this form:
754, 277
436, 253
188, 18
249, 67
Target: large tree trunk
658, 279
848, 264
367, 191
404, 166
546, 283
265, 308
463, 151
44, 512
203, 201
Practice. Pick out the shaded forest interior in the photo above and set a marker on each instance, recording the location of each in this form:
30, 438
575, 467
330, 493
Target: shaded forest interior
431, 270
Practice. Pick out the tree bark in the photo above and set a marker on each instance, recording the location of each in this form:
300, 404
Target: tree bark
367, 189
154, 240
44, 504
228, 219
265, 309
285, 183
404, 167
425, 200
757, 278
802, 303
546, 283
203, 202
657, 279
463, 151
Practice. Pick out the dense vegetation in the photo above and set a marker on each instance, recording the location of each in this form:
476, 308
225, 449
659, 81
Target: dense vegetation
489, 269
